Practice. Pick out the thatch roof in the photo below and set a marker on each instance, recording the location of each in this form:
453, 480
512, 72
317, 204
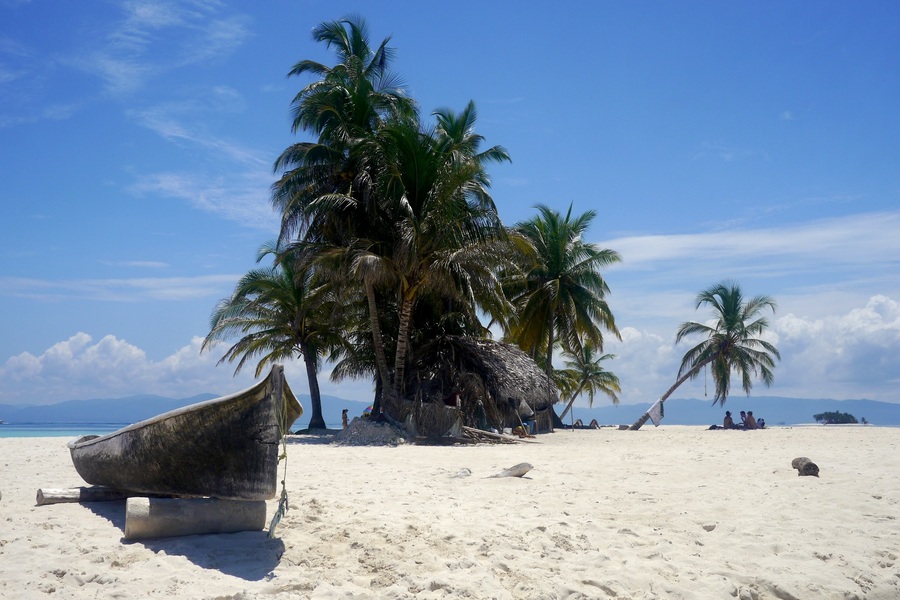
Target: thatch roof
482, 373
508, 372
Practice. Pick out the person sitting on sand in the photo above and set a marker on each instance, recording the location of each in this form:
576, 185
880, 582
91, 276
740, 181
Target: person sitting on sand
578, 423
750, 423
728, 423
594, 424
521, 431
743, 424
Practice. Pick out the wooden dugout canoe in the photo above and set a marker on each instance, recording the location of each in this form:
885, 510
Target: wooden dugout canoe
223, 448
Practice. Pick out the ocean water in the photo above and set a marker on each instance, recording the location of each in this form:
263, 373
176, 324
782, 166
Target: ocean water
73, 430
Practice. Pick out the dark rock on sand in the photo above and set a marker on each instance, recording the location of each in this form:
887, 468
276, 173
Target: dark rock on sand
805, 466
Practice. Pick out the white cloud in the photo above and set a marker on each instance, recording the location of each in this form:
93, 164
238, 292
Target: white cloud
82, 368
154, 37
240, 196
118, 290
852, 355
834, 281
726, 153
239, 191
813, 269
855, 354
144, 264
841, 240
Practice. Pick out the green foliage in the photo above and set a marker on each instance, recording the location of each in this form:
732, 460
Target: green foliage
279, 313
835, 418
558, 293
732, 343
389, 237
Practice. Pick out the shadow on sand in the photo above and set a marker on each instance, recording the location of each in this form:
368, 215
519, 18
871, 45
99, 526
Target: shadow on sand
249, 555
312, 436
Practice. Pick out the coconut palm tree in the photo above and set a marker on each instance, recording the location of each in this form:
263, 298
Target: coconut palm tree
326, 191
731, 345
279, 313
559, 294
399, 210
584, 373
435, 188
344, 108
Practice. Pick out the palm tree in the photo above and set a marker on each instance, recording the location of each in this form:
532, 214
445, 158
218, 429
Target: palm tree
279, 312
435, 188
559, 296
400, 211
585, 374
343, 109
326, 194
731, 343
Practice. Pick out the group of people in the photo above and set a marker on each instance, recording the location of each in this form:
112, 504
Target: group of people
748, 421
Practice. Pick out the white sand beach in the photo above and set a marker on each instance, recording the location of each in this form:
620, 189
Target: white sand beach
671, 512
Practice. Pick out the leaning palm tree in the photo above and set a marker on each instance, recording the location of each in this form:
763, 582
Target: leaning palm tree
559, 294
280, 313
731, 343
586, 374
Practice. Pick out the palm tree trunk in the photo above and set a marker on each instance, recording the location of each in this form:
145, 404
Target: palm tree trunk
571, 402
646, 416
549, 371
380, 358
566, 411
402, 345
315, 397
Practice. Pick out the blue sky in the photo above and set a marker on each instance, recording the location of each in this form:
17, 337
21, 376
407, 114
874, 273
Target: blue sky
755, 141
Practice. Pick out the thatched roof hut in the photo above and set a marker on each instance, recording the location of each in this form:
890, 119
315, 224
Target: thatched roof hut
488, 384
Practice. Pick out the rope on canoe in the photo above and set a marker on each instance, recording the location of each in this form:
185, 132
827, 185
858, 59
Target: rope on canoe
283, 499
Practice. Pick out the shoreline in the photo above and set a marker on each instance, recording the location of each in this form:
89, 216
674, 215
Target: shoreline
669, 512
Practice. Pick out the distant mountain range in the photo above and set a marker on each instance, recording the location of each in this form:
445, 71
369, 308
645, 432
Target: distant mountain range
137, 408
775, 410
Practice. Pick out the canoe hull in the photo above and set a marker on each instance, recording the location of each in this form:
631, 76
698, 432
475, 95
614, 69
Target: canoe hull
225, 448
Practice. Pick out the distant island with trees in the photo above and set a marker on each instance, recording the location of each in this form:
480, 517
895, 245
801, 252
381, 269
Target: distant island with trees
836, 418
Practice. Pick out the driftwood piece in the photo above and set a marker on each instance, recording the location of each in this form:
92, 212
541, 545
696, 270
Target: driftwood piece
488, 436
171, 517
805, 467
515, 471
81, 494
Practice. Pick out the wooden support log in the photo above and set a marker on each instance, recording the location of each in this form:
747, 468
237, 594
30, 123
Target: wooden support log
171, 517
81, 494
488, 435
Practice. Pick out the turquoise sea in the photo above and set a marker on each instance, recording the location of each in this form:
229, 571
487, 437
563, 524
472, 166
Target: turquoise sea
73, 430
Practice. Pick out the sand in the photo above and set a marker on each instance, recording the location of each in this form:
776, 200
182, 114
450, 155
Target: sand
671, 512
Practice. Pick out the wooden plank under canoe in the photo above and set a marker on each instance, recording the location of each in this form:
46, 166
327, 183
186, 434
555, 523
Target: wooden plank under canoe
224, 448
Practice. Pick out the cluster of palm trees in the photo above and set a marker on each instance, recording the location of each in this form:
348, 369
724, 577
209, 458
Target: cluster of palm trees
389, 237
